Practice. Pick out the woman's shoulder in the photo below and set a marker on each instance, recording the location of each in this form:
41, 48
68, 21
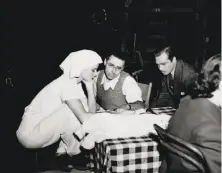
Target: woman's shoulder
63, 83
64, 80
202, 102
189, 101
198, 106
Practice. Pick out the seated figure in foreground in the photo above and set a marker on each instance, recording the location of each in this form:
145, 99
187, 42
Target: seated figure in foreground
198, 120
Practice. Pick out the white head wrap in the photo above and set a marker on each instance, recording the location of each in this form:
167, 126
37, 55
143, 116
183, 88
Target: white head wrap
78, 61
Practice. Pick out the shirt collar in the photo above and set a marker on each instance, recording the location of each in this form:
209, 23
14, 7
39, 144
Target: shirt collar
109, 84
173, 71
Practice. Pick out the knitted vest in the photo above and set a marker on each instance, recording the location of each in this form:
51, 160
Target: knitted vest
111, 99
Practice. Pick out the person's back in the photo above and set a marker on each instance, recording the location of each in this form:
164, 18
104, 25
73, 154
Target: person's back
198, 120
191, 123
191, 114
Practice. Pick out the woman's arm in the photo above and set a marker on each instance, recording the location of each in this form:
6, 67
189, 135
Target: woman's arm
91, 100
77, 108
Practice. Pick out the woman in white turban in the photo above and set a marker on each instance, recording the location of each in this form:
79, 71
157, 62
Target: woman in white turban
61, 106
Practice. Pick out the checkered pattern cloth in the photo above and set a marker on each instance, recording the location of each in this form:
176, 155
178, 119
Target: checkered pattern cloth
126, 155
165, 110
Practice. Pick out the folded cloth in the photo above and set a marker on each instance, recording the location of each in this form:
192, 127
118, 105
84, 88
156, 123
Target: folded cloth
110, 126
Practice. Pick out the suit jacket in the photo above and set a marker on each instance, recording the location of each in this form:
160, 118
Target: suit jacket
184, 76
196, 121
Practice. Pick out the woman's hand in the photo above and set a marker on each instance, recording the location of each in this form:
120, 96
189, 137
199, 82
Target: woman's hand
91, 98
88, 81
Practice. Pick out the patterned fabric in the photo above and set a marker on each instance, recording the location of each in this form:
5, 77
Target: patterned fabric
126, 155
164, 110
135, 154
171, 84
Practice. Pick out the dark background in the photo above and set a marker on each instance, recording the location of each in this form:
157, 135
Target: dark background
36, 36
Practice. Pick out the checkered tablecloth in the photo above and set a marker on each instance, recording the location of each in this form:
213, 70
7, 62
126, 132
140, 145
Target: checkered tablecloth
128, 155
166, 110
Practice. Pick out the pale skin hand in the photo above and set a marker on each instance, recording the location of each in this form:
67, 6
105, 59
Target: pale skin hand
133, 106
87, 77
124, 111
121, 111
77, 108
91, 97
76, 105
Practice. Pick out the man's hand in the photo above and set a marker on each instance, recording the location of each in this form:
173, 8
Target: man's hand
123, 111
119, 110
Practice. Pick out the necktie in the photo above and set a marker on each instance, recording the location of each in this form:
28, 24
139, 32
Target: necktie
171, 82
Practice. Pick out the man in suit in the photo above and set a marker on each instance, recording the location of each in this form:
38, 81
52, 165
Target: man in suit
177, 77
116, 89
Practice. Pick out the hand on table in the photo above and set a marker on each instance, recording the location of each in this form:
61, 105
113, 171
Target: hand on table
121, 111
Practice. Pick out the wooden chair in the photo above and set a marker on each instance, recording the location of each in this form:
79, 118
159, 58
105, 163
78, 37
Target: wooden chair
145, 88
180, 148
146, 91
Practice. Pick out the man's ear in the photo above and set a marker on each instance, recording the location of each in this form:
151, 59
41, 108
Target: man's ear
124, 64
105, 62
174, 59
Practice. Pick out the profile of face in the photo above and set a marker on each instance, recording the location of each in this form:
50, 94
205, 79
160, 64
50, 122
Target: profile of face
220, 90
113, 67
164, 64
210, 79
90, 73
220, 93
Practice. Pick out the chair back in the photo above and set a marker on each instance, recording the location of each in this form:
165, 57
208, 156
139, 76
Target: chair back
146, 91
185, 150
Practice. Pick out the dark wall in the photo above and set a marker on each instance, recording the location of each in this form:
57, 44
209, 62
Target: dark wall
36, 37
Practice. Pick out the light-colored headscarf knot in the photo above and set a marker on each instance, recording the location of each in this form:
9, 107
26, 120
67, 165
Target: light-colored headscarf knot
78, 61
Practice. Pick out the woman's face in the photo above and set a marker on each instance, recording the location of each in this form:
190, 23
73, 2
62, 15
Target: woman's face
90, 73
220, 88
216, 98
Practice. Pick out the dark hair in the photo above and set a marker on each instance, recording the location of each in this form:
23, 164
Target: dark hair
165, 49
209, 78
120, 55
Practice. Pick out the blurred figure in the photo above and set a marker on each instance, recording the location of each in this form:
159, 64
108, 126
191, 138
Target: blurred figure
177, 77
198, 120
116, 89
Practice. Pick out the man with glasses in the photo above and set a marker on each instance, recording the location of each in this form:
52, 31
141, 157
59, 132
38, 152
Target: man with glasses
177, 77
116, 90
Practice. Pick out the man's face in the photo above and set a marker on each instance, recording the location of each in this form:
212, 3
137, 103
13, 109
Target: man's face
165, 65
113, 67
